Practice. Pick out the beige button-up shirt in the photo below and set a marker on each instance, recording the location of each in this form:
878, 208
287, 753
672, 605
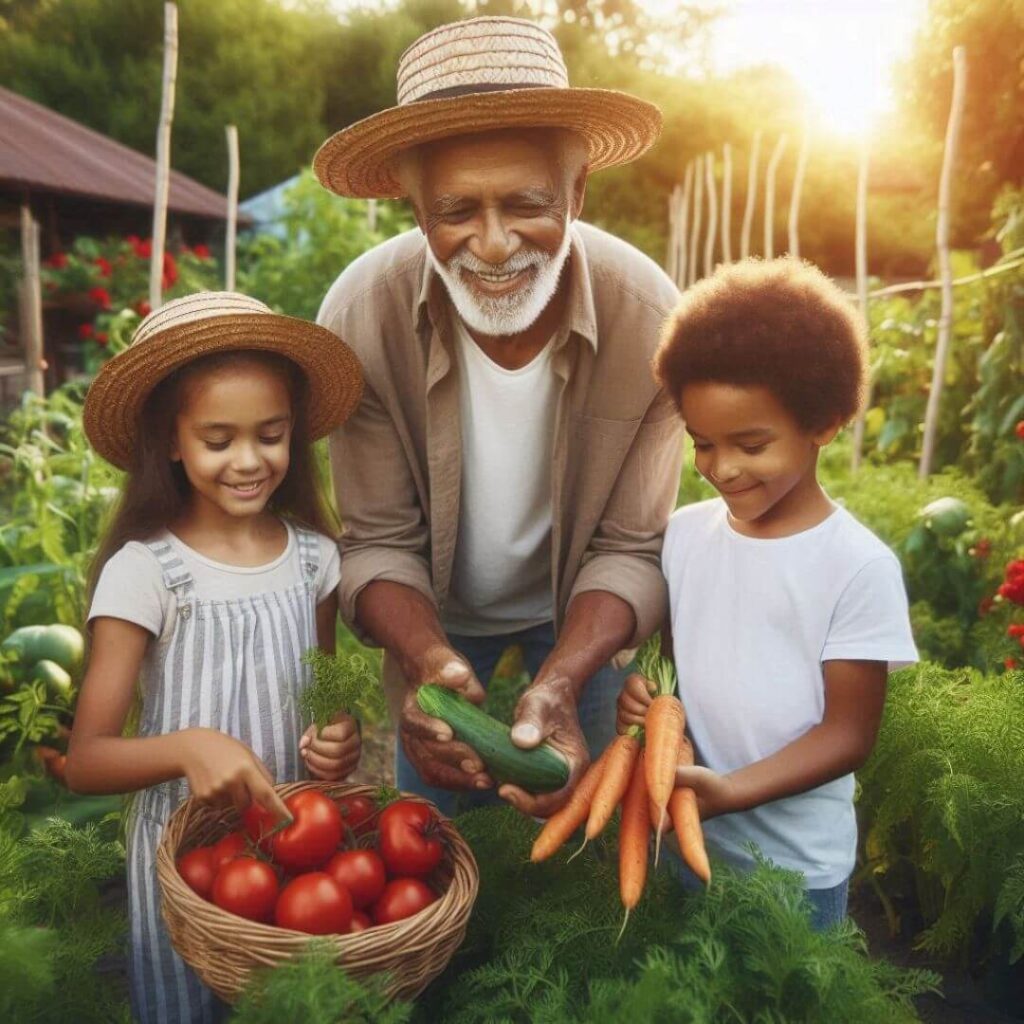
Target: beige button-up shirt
617, 449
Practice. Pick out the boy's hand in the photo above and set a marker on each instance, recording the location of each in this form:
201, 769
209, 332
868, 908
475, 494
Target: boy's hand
333, 754
716, 794
634, 700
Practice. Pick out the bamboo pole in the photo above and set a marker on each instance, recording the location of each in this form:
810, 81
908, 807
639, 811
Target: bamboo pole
698, 213
769, 197
371, 214
31, 302
956, 110
727, 203
748, 211
684, 226
672, 248
794, 199
163, 156
861, 243
231, 131
709, 242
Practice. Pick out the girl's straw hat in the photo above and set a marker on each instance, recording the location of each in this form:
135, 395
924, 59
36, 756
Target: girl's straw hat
199, 325
476, 76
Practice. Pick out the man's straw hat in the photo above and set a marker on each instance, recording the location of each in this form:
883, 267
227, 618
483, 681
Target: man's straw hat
476, 76
202, 324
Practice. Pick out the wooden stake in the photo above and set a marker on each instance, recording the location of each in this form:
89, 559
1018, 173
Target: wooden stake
163, 155
727, 203
769, 198
794, 199
862, 287
684, 226
232, 231
672, 248
956, 110
371, 214
748, 211
698, 213
31, 303
709, 242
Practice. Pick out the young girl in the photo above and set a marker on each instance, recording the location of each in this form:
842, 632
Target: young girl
216, 575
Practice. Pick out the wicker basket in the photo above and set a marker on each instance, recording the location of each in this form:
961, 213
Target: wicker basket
223, 948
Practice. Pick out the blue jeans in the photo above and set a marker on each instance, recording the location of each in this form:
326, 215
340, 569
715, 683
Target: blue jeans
596, 708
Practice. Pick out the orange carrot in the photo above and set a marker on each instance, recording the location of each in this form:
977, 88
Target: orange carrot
634, 836
685, 815
622, 755
561, 825
663, 729
657, 824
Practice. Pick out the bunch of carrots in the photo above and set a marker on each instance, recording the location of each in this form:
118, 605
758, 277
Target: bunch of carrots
638, 772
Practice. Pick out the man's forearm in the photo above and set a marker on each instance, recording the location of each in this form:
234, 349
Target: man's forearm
597, 625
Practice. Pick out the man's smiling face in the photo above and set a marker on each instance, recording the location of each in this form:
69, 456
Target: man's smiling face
496, 209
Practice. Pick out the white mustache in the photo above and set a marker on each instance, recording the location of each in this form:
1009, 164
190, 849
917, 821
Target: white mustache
518, 261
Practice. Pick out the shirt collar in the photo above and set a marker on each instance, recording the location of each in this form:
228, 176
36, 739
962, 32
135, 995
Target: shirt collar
581, 317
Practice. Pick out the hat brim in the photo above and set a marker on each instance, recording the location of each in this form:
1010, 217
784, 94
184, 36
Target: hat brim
118, 392
359, 161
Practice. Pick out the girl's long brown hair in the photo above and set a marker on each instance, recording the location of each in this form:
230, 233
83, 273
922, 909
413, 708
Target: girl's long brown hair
156, 489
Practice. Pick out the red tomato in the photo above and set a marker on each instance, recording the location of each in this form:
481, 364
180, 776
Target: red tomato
362, 872
314, 903
231, 846
402, 898
360, 922
357, 812
258, 823
198, 870
313, 836
409, 838
247, 887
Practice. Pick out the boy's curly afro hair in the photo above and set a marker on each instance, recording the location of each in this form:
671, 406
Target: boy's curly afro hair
779, 324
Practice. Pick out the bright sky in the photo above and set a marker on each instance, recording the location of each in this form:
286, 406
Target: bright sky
841, 51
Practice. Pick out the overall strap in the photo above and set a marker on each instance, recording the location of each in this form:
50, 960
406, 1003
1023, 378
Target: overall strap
309, 553
176, 576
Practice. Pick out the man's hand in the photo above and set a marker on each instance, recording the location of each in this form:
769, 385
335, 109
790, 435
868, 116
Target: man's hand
429, 742
547, 712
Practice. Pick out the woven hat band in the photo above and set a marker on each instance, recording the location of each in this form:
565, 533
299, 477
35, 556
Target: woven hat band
496, 52
469, 90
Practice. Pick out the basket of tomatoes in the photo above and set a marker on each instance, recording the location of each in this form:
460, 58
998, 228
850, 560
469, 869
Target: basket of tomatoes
391, 886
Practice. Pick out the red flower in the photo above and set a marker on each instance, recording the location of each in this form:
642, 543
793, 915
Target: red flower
100, 296
143, 308
201, 252
985, 606
104, 264
59, 260
1010, 664
144, 250
170, 271
85, 331
983, 548
102, 337
1012, 591
132, 240
1015, 629
1019, 430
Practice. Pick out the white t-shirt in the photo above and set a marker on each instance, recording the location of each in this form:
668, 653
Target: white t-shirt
752, 621
131, 586
501, 577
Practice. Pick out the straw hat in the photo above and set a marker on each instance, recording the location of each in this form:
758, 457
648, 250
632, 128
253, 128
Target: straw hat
199, 325
475, 76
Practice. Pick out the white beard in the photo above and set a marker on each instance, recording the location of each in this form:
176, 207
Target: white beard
502, 315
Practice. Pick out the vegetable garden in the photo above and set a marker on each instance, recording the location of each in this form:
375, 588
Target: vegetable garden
940, 875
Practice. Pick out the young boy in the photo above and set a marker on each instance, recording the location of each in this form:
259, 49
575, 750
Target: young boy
786, 613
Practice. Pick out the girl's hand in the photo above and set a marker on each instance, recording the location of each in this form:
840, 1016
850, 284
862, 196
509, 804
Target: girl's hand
222, 771
334, 753
716, 794
634, 700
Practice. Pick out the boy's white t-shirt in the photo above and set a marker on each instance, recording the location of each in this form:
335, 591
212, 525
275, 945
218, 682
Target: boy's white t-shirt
752, 622
131, 585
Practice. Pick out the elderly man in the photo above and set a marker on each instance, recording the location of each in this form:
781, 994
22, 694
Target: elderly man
510, 471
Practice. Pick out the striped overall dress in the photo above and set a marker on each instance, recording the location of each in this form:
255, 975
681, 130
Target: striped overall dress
230, 665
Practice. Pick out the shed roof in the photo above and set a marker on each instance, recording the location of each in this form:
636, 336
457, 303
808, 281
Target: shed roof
43, 151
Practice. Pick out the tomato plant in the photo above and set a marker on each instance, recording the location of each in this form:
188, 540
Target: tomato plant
198, 869
247, 887
409, 838
314, 903
361, 872
402, 898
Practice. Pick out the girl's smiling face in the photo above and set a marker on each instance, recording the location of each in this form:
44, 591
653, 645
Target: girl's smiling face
751, 449
232, 435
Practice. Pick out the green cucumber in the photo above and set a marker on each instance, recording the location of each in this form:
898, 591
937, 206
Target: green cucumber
540, 770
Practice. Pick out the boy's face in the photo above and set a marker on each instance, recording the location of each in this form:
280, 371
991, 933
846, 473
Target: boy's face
752, 451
